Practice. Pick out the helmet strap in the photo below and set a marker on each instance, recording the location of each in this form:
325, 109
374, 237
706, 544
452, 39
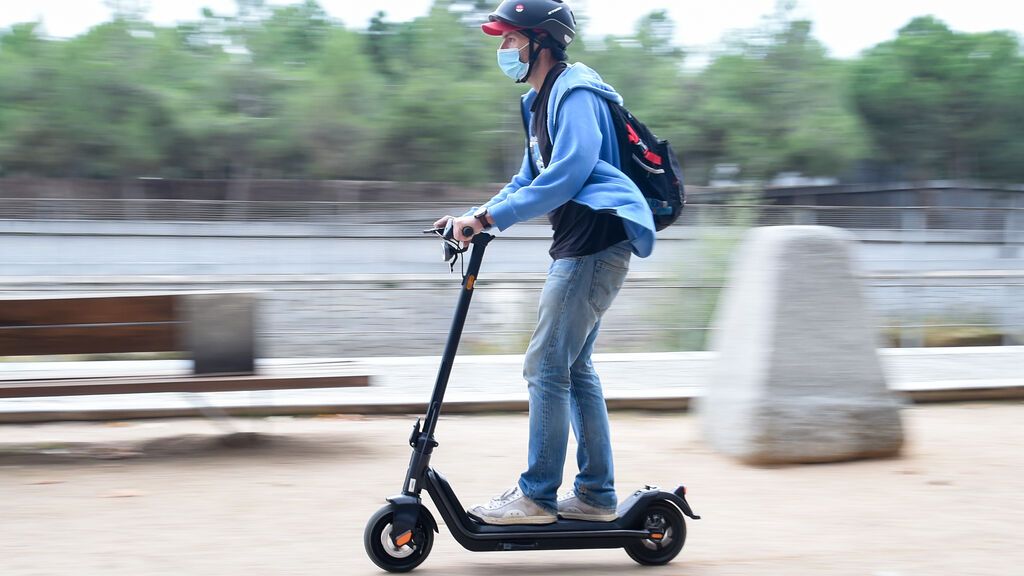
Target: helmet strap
535, 49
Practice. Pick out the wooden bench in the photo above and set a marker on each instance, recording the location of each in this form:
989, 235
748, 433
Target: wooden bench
216, 330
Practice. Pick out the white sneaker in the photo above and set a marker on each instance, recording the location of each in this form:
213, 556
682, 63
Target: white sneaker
512, 507
571, 507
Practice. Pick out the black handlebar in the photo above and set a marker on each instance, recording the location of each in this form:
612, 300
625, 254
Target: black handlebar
453, 248
467, 231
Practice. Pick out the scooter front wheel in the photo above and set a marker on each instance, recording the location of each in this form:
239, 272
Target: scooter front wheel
668, 534
383, 552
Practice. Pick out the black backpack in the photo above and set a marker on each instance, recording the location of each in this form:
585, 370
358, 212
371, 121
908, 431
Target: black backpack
651, 164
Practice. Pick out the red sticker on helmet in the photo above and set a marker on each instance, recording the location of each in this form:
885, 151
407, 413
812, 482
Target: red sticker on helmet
520, 7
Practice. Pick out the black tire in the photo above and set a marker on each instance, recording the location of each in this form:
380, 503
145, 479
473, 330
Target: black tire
664, 516
380, 549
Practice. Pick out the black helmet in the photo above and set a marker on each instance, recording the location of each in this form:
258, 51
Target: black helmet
552, 16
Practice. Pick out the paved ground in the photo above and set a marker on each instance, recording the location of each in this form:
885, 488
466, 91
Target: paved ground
168, 498
628, 380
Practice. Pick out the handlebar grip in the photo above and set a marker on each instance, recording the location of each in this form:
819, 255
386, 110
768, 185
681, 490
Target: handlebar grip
467, 231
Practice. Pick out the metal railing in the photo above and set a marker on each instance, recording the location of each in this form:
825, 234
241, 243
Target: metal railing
185, 210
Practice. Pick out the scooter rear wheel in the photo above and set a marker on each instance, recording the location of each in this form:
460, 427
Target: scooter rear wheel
383, 552
663, 518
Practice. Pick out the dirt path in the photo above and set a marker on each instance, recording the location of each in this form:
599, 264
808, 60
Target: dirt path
168, 498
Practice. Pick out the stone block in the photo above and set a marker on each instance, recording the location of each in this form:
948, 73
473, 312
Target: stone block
797, 377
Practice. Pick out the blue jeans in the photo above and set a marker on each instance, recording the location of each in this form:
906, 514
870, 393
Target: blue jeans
563, 384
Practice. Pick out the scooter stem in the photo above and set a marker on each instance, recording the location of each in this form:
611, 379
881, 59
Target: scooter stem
479, 243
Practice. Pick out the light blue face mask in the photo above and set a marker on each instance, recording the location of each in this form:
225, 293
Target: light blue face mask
508, 60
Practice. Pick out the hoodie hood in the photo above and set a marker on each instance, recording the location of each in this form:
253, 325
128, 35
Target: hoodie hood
582, 76
574, 77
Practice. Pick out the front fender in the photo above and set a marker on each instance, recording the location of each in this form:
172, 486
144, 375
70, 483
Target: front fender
407, 509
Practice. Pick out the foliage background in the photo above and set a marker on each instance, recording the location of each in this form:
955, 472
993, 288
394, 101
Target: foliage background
288, 92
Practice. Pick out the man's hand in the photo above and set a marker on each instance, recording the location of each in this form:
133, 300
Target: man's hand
461, 223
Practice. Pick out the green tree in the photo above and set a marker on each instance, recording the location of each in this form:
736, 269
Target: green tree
650, 89
773, 101
284, 91
87, 114
941, 103
445, 102
337, 119
292, 36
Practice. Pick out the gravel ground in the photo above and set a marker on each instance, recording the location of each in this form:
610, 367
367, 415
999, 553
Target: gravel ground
181, 498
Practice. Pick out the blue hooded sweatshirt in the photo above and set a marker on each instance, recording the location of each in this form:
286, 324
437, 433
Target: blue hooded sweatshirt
584, 165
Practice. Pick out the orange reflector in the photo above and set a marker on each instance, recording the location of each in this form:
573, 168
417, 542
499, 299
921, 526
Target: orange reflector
404, 538
470, 282
657, 536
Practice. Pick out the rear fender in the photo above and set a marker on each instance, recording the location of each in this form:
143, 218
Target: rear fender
678, 497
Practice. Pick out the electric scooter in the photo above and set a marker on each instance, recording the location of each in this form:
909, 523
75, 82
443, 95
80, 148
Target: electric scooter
398, 537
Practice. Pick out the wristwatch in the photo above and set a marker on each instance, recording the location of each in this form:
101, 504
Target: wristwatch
481, 215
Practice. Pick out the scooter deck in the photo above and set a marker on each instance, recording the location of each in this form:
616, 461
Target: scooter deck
563, 534
624, 521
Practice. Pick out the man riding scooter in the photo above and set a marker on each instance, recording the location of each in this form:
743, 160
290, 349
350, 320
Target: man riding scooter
599, 219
